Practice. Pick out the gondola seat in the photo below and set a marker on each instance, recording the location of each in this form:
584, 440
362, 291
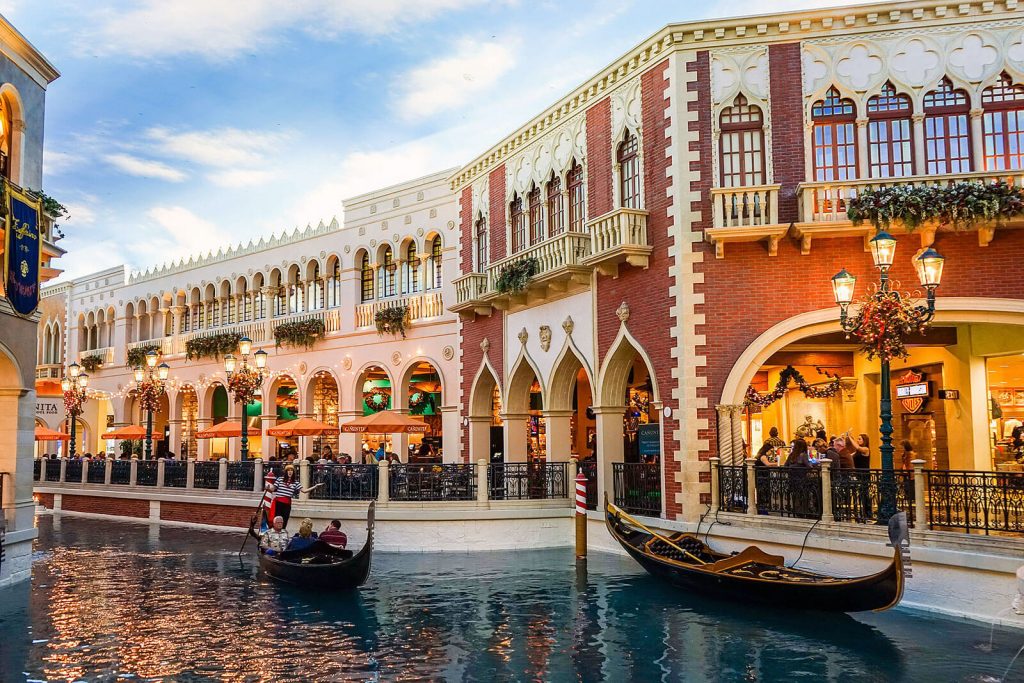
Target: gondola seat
750, 555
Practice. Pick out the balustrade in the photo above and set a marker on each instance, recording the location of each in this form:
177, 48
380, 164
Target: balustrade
120, 472
421, 306
637, 488
433, 482
146, 472
241, 475
207, 475
343, 482
175, 473
527, 481
745, 207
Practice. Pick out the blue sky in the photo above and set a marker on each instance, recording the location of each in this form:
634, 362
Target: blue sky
181, 126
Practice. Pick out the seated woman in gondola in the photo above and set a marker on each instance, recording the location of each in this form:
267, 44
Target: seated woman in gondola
304, 538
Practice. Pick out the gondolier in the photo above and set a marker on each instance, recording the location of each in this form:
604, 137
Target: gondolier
286, 489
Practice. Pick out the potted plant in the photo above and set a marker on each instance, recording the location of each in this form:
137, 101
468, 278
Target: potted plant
515, 276
137, 356
392, 320
212, 346
297, 333
91, 362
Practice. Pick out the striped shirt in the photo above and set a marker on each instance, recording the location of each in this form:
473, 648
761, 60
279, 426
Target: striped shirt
286, 489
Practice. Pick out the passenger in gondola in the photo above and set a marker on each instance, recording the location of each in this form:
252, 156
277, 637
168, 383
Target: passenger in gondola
334, 535
275, 539
305, 536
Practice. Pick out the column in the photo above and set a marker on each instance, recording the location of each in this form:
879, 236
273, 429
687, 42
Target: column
609, 447
559, 434
479, 439
724, 433
351, 444
738, 454
920, 512
920, 157
451, 434
174, 437
383, 483
234, 415
269, 420
977, 140
826, 491
515, 437
481, 481
203, 446
751, 487
863, 160
716, 501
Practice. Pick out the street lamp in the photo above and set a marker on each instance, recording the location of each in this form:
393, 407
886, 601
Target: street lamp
928, 265
244, 381
74, 385
150, 381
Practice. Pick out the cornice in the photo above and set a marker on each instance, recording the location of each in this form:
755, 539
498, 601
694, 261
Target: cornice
756, 29
38, 68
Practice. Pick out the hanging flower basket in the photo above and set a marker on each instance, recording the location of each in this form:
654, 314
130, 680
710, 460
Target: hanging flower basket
137, 356
73, 401
244, 385
790, 374
302, 333
960, 205
91, 363
149, 394
213, 346
883, 320
392, 320
515, 276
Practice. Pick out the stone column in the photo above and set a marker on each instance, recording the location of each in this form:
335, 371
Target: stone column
920, 512
222, 475
451, 432
751, 487
383, 483
826, 491
161, 471
716, 500
269, 446
109, 471
304, 478
608, 429
482, 493
863, 160
85, 471
174, 437
349, 443
479, 439
63, 470
203, 446
920, 157
737, 434
257, 477
133, 472
977, 140
190, 473
724, 433
515, 437
559, 437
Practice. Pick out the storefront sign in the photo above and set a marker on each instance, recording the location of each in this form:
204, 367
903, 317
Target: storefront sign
912, 392
949, 394
649, 436
22, 252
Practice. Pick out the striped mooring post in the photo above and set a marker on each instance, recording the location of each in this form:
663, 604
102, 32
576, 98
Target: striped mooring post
581, 517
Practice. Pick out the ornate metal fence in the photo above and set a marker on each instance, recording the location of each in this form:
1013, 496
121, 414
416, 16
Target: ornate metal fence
433, 482
975, 501
732, 488
121, 472
788, 491
527, 481
175, 473
97, 472
343, 482
637, 488
73, 471
241, 475
52, 471
145, 474
206, 475
857, 494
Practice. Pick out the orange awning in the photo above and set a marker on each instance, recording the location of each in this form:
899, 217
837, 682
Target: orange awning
129, 433
385, 422
224, 430
47, 434
303, 426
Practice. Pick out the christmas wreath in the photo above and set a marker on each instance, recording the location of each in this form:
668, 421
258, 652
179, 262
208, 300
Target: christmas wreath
377, 399
882, 321
790, 374
418, 402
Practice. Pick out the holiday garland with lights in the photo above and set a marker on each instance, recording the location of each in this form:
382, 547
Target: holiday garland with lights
149, 394
244, 384
882, 321
73, 401
790, 374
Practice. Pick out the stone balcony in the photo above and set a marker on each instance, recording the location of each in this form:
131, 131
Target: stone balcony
422, 306
49, 371
106, 355
745, 214
618, 237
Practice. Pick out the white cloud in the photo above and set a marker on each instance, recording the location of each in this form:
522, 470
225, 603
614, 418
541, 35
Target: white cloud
221, 29
144, 168
80, 214
449, 82
241, 177
222, 147
56, 163
178, 232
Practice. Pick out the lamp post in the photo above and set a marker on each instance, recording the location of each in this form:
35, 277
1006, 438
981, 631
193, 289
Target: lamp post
244, 381
929, 271
149, 380
73, 385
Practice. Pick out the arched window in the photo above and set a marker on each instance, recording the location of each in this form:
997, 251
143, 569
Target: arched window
386, 274
890, 146
411, 272
316, 288
629, 171
742, 144
947, 130
435, 262
1003, 125
577, 198
835, 141
6, 136
334, 287
536, 215
186, 319
366, 278
556, 208
482, 246
518, 223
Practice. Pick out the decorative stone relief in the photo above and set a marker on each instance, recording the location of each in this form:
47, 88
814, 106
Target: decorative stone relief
523, 336
373, 209
481, 197
917, 62
735, 70
373, 243
395, 238
545, 337
302, 368
362, 230
433, 213
419, 232
568, 325
859, 67
396, 358
625, 103
419, 196
323, 254
448, 352
395, 203
408, 220
1015, 50
348, 248
383, 225
551, 152
485, 345
451, 225
346, 363
974, 56
622, 312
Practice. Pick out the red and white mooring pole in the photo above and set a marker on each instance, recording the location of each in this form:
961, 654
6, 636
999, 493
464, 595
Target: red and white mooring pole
581, 516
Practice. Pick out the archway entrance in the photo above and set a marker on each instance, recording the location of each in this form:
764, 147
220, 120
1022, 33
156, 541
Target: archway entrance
187, 446
424, 400
486, 430
324, 394
374, 395
285, 396
526, 438
571, 424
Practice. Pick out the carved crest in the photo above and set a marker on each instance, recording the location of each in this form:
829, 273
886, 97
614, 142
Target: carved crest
523, 336
485, 345
545, 337
622, 312
568, 325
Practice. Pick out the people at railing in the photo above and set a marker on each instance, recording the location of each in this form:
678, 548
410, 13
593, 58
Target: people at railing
862, 457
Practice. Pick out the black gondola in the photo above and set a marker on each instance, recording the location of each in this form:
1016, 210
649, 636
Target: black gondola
322, 566
755, 576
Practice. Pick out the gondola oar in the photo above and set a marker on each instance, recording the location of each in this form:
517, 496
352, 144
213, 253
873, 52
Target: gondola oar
653, 533
259, 509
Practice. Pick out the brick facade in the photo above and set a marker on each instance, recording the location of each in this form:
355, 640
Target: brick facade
214, 515
466, 234
497, 227
473, 332
599, 159
99, 505
787, 125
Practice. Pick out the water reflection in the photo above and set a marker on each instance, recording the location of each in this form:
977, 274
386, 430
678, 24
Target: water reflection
113, 600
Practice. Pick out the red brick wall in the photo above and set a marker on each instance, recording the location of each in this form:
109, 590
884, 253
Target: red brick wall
217, 515
787, 124
599, 159
44, 499
645, 291
99, 505
466, 221
496, 190
473, 332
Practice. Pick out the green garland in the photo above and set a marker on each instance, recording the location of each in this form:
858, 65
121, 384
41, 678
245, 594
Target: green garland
790, 374
961, 205
392, 320
91, 363
137, 356
302, 333
213, 346
515, 276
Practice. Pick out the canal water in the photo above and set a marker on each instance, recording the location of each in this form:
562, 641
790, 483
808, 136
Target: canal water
119, 601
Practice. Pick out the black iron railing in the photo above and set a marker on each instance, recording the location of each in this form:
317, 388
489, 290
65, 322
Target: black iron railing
145, 473
73, 471
975, 501
857, 493
175, 473
637, 488
589, 470
37, 469
433, 482
121, 472
527, 481
241, 475
52, 472
206, 475
732, 488
97, 473
343, 482
788, 491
